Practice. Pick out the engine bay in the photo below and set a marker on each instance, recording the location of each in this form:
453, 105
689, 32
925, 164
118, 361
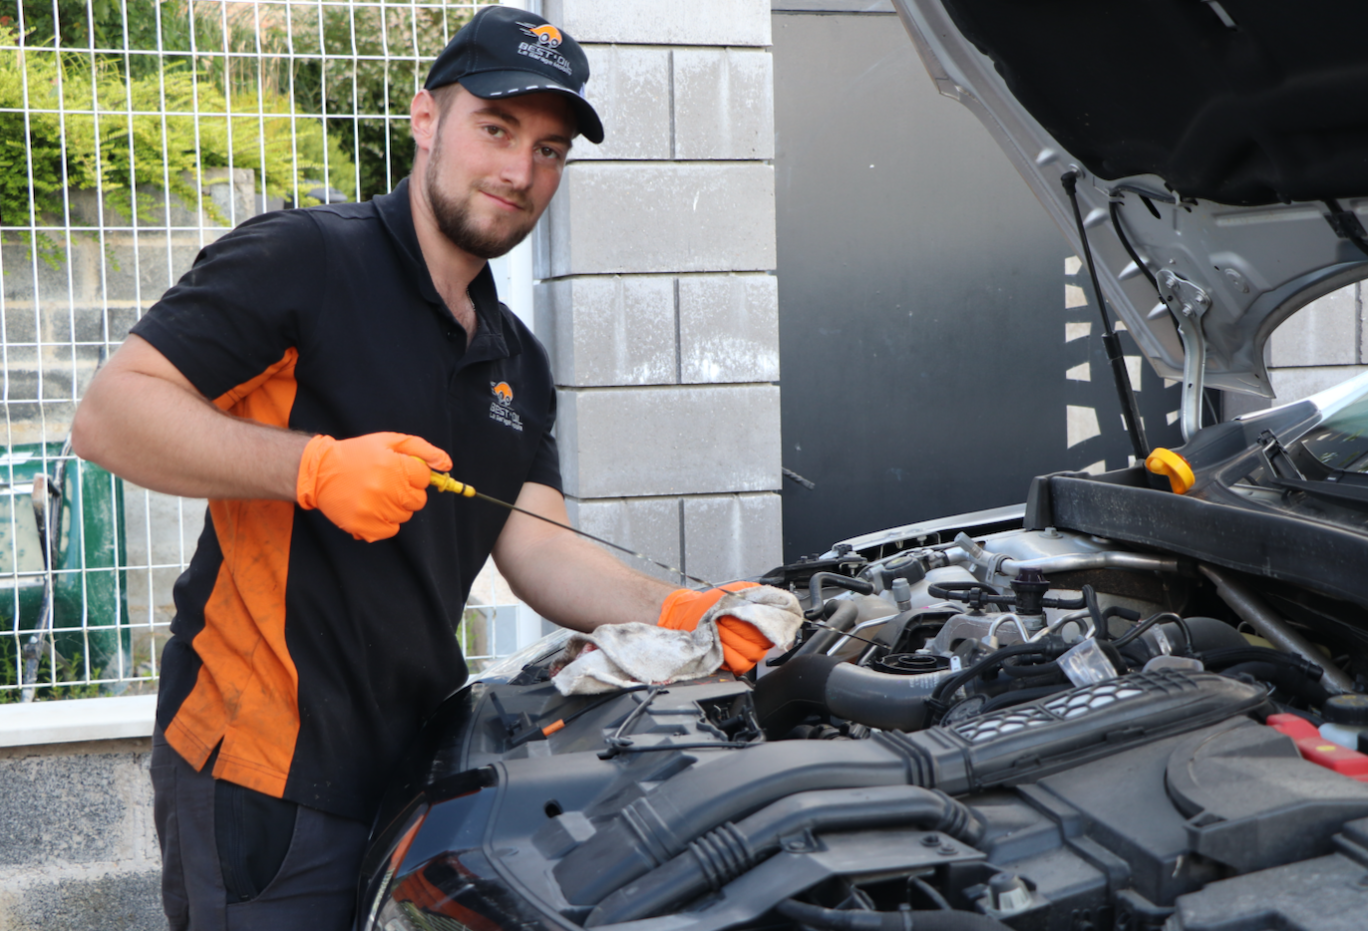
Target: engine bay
1025, 729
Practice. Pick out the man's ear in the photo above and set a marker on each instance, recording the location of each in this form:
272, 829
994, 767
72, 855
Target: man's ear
424, 114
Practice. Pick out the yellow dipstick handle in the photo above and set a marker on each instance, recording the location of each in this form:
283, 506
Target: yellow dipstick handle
1167, 462
443, 482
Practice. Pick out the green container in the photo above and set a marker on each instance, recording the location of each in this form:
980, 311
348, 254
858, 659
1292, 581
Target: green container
90, 594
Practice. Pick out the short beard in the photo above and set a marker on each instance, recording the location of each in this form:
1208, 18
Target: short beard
453, 217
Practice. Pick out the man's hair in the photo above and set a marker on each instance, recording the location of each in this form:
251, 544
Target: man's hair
444, 95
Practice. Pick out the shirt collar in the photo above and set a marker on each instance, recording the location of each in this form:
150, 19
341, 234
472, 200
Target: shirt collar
493, 338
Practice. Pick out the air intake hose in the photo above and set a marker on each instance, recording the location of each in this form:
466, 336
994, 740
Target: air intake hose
731, 850
843, 617
824, 685
660, 825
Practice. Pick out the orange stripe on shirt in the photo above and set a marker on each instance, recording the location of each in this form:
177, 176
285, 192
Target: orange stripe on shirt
247, 692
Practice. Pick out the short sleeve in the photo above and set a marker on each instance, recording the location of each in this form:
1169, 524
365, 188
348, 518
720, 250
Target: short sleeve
242, 304
545, 468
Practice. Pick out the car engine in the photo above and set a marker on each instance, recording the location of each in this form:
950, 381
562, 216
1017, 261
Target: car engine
978, 728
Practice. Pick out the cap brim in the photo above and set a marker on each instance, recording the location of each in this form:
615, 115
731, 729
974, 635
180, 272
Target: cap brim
492, 85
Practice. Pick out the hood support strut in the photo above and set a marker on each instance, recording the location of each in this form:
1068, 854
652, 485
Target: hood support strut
1110, 343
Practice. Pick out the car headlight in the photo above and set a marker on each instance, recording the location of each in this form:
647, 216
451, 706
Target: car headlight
381, 891
440, 895
426, 870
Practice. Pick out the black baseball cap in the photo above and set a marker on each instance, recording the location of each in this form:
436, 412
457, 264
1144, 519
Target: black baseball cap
506, 52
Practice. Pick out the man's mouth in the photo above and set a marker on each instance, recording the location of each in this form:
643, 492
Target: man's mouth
508, 203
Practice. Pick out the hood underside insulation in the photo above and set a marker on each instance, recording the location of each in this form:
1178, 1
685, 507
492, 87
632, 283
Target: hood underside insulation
1241, 102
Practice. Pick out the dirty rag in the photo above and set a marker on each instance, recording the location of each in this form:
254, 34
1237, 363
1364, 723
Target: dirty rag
631, 654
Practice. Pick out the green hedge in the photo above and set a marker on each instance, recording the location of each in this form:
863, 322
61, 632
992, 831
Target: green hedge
359, 65
129, 127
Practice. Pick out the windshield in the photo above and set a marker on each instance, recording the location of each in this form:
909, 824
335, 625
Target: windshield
1341, 440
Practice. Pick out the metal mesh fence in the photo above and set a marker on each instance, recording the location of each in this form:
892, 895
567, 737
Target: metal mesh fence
132, 133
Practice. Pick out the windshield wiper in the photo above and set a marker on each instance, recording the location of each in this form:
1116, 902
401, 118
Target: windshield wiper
1276, 459
1339, 486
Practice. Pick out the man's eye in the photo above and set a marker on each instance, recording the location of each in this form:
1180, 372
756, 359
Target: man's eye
551, 154
494, 130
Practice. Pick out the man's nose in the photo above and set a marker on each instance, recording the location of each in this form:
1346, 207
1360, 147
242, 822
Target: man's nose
517, 169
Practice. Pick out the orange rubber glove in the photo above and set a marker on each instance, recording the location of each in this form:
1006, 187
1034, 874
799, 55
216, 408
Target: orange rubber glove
742, 645
370, 484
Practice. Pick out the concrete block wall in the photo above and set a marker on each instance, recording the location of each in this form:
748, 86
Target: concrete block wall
658, 301
1316, 348
80, 849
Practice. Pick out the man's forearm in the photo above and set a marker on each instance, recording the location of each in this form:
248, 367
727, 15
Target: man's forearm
567, 579
151, 427
579, 585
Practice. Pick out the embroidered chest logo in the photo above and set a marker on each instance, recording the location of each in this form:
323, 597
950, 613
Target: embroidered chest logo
501, 408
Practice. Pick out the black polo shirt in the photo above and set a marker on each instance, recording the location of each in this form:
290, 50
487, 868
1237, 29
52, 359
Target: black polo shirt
312, 656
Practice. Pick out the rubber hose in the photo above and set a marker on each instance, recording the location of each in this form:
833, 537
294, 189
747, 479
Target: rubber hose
824, 685
784, 696
1123, 613
830, 919
1018, 696
1098, 618
1050, 648
661, 824
883, 700
1250, 607
1250, 654
1285, 677
1135, 655
1025, 671
1132, 635
1113, 655
1195, 634
819, 579
842, 619
1209, 633
732, 850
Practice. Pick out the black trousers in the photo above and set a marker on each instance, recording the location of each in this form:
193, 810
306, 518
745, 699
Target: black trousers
234, 859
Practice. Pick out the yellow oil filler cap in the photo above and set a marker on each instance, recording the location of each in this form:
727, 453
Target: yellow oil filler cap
1167, 462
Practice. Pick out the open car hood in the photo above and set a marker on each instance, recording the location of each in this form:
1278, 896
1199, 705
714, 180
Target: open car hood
1227, 140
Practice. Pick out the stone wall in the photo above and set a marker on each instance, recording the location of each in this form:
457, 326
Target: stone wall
658, 300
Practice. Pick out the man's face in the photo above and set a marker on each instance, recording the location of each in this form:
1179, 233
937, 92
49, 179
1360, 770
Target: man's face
494, 166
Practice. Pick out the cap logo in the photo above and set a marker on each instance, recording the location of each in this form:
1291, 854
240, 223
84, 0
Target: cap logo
546, 34
543, 50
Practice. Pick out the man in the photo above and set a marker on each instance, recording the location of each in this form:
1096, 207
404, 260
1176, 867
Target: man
306, 376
